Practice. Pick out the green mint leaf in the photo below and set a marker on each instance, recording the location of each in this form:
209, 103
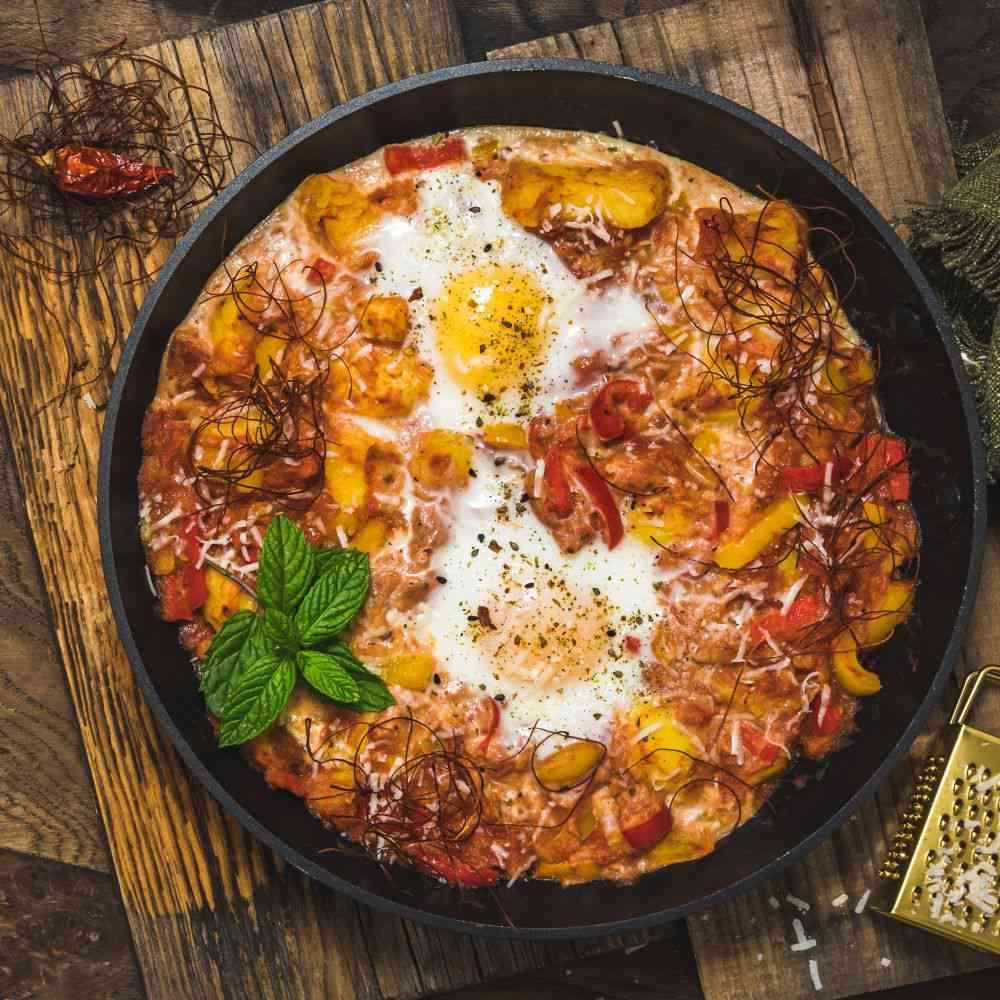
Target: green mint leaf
328, 676
220, 661
335, 598
286, 566
256, 697
280, 633
373, 695
327, 558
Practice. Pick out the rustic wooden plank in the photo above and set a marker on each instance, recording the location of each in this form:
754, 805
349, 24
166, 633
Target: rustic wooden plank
47, 807
853, 80
63, 933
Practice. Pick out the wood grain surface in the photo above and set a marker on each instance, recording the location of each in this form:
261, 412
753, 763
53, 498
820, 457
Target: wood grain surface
854, 80
211, 912
62, 933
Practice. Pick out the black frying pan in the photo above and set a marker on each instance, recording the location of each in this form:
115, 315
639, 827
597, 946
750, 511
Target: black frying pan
926, 396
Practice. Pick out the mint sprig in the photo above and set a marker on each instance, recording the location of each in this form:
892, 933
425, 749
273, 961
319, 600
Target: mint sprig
306, 598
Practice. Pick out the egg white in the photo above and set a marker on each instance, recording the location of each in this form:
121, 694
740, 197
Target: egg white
554, 647
444, 238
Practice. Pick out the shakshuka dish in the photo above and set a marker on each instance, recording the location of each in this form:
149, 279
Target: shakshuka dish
526, 504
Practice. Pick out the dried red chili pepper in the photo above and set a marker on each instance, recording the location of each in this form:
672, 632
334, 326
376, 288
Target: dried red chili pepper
99, 173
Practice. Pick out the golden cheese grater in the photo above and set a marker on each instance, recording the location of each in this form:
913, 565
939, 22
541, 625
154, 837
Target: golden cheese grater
941, 873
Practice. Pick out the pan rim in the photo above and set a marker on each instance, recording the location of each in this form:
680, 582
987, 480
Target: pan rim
775, 134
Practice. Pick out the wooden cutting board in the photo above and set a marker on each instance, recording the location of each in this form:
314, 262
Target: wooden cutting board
212, 913
853, 79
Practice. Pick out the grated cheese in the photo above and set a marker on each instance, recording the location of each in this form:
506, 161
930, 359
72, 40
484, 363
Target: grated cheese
814, 975
616, 125
863, 902
791, 594
167, 518
539, 476
799, 904
840, 900
802, 943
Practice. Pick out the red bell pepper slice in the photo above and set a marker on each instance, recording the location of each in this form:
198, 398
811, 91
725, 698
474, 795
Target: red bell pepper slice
600, 495
805, 610
720, 518
810, 478
489, 722
185, 590
453, 870
606, 410
760, 747
883, 458
555, 481
832, 717
424, 155
650, 832
320, 271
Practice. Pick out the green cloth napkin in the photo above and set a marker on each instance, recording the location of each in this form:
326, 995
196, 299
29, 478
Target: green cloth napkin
957, 243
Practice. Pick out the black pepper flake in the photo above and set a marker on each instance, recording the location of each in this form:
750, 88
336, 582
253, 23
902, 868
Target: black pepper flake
475, 209
597, 591
482, 348
500, 697
378, 266
479, 421
437, 678
481, 538
474, 553
515, 546
494, 545
500, 460
473, 473
611, 633
487, 248
488, 397
441, 579
416, 295
529, 585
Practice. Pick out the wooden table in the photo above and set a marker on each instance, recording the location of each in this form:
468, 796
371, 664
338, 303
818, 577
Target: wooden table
62, 928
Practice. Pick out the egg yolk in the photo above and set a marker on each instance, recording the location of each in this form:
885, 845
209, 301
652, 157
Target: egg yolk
490, 327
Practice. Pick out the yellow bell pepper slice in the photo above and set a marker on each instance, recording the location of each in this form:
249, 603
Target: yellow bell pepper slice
892, 611
225, 598
770, 772
569, 764
409, 670
670, 851
568, 871
505, 435
789, 566
853, 677
663, 750
769, 527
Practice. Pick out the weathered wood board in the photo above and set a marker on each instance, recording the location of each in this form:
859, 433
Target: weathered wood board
853, 79
211, 912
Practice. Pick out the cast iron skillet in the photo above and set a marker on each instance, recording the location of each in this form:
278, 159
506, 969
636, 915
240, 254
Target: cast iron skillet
926, 397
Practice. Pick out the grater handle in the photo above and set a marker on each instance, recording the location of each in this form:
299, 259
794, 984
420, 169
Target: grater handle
970, 689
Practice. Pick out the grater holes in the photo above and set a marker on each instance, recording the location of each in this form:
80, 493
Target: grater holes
956, 786
970, 771
957, 806
944, 822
